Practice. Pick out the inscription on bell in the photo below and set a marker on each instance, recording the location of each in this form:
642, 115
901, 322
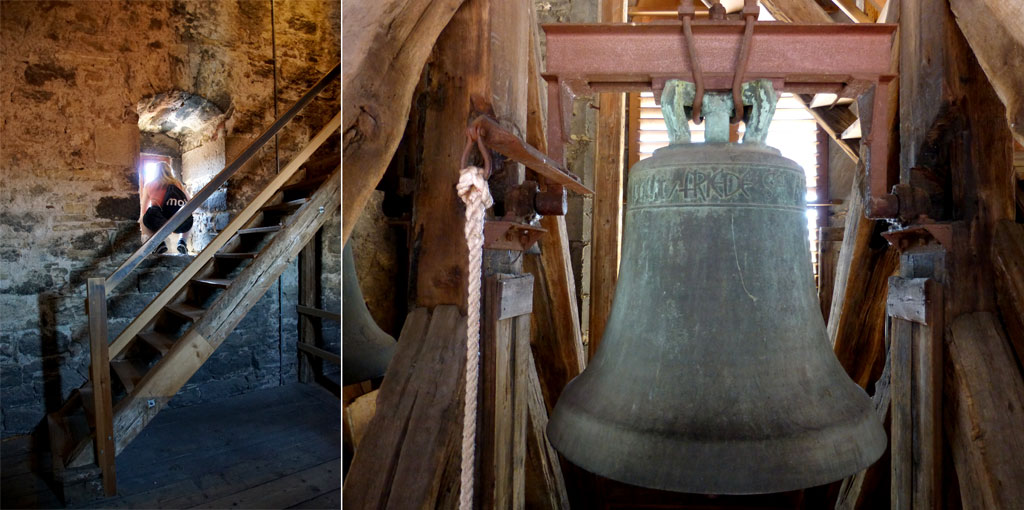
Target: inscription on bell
717, 185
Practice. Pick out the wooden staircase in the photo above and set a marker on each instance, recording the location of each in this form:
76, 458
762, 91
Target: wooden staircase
138, 373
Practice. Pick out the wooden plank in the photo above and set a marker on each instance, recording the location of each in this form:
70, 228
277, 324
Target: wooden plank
984, 413
926, 351
99, 376
401, 34
901, 431
158, 341
316, 312
796, 11
284, 492
515, 296
1008, 261
401, 460
358, 415
834, 120
235, 225
320, 353
856, 323
128, 372
609, 154
521, 365
994, 31
545, 485
495, 436
164, 380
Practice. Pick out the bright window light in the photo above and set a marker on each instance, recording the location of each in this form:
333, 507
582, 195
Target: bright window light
150, 171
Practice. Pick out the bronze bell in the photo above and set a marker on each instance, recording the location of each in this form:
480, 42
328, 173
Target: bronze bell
366, 349
715, 374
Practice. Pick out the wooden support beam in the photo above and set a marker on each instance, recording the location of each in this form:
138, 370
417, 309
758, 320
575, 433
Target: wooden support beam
984, 413
915, 306
316, 312
545, 485
556, 337
1008, 260
401, 34
309, 296
99, 375
856, 324
797, 11
407, 448
320, 353
834, 121
995, 31
504, 357
609, 154
849, 8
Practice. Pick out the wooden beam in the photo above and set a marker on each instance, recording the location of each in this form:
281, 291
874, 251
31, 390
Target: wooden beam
609, 152
99, 375
401, 34
995, 31
320, 353
797, 11
856, 324
556, 337
316, 312
834, 121
545, 485
309, 296
405, 452
1008, 260
915, 306
985, 413
849, 8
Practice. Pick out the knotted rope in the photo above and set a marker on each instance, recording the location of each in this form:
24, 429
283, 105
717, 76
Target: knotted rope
473, 191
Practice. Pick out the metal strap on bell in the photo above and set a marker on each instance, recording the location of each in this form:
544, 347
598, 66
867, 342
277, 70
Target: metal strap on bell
715, 374
366, 349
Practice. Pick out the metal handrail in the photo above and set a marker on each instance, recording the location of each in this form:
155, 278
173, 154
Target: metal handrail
186, 211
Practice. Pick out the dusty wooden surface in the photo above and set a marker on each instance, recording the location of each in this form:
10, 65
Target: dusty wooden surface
1008, 258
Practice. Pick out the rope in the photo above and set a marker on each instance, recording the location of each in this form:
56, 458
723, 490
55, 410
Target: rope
473, 191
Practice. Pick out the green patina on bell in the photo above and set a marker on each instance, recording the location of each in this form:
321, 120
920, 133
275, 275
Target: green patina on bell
715, 374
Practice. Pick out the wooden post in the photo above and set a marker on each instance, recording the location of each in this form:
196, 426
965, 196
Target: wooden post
915, 307
309, 295
508, 302
607, 225
99, 374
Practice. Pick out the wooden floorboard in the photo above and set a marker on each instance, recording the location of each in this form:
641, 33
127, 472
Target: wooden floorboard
287, 491
215, 451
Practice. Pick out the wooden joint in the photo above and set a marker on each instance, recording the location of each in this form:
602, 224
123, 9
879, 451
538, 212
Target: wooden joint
514, 296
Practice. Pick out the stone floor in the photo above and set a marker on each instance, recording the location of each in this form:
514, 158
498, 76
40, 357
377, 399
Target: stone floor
273, 448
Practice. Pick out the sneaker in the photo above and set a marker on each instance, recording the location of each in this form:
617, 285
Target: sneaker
160, 250
182, 249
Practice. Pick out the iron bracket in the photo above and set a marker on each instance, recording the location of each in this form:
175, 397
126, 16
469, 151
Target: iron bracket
510, 235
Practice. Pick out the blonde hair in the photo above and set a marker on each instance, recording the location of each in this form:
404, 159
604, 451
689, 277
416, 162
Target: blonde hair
166, 176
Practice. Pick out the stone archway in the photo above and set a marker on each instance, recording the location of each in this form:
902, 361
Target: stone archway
189, 129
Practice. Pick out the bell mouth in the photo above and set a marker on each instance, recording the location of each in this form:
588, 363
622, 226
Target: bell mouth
674, 462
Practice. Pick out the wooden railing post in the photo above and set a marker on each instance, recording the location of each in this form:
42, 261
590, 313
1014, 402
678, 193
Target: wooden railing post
99, 374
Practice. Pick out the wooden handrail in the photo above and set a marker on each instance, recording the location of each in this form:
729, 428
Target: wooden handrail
186, 211
179, 282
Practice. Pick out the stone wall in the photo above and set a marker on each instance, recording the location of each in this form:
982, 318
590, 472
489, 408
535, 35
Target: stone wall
71, 77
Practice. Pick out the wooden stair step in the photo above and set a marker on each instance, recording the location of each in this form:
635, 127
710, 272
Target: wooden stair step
220, 283
185, 311
285, 206
238, 255
128, 372
259, 230
308, 184
158, 341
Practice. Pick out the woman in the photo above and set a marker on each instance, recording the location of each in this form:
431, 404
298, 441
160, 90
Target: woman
161, 198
